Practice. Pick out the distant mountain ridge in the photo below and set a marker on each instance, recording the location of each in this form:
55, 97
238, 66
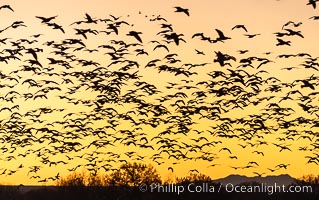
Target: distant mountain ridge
283, 179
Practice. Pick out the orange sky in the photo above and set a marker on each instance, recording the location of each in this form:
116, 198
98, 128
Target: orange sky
260, 17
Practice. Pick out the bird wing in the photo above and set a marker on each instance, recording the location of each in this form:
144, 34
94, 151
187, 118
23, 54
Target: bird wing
220, 33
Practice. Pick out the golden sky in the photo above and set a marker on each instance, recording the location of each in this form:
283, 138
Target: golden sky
55, 123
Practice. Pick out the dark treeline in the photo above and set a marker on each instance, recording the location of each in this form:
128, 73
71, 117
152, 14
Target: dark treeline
141, 181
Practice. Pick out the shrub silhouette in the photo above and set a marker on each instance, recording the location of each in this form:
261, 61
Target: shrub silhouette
192, 178
309, 180
72, 180
128, 174
83, 179
134, 174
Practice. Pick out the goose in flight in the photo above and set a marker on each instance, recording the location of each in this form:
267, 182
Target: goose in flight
292, 32
89, 19
136, 35
199, 52
258, 174
56, 26
171, 169
312, 3
183, 10
289, 68
221, 36
314, 17
175, 37
282, 166
282, 42
6, 7
293, 23
251, 35
225, 149
46, 19
240, 26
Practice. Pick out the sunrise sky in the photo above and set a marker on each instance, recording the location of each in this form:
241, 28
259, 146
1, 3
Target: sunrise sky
263, 17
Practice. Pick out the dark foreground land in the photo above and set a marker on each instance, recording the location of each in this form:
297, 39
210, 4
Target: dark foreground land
104, 193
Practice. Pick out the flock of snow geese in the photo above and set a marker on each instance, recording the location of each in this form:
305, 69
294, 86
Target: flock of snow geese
62, 110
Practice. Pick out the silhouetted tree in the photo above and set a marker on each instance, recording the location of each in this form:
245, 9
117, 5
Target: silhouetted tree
134, 174
83, 179
193, 177
74, 179
309, 179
